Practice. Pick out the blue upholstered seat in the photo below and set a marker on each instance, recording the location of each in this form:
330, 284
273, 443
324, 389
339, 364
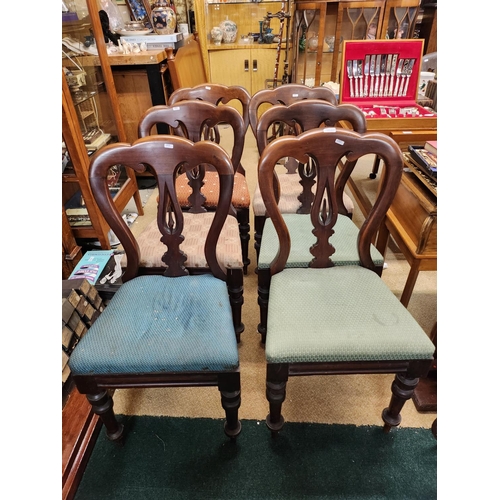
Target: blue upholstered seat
337, 314
344, 240
157, 324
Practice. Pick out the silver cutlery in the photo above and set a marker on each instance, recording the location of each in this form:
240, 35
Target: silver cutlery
367, 72
356, 77
372, 73
382, 74
377, 74
404, 73
360, 74
388, 67
399, 72
349, 74
408, 74
393, 73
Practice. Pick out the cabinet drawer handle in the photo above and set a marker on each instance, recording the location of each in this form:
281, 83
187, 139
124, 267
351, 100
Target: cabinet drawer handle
255, 64
246, 64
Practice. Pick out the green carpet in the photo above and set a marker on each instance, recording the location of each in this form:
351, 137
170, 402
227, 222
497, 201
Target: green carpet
181, 458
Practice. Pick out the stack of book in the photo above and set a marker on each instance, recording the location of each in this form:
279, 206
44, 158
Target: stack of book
425, 158
81, 306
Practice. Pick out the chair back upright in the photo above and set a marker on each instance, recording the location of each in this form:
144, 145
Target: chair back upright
306, 115
166, 156
285, 94
217, 94
190, 119
326, 147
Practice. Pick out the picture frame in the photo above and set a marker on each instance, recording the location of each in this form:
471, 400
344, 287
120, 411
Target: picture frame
121, 2
141, 11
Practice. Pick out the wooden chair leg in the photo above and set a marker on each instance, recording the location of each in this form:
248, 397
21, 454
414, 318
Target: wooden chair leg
259, 221
230, 390
235, 290
263, 283
276, 379
243, 216
102, 405
402, 390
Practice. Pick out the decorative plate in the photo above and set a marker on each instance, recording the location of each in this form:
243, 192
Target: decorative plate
134, 32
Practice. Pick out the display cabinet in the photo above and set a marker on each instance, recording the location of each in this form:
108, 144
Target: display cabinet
247, 62
321, 27
90, 120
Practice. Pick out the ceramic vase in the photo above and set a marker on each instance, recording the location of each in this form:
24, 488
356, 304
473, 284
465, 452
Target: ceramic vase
216, 35
229, 30
164, 18
312, 43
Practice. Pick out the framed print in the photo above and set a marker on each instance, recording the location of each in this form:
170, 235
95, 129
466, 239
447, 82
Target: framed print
141, 11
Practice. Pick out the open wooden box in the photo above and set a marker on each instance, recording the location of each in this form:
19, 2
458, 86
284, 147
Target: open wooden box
388, 101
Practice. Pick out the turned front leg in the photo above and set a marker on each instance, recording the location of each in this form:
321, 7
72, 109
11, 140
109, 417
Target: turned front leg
230, 391
263, 284
102, 405
276, 379
402, 390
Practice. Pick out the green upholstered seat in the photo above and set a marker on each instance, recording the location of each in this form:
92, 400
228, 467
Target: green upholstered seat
339, 314
185, 325
300, 228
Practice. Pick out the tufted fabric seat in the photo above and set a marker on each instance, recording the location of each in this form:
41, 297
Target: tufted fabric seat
340, 329
241, 195
200, 329
196, 228
344, 240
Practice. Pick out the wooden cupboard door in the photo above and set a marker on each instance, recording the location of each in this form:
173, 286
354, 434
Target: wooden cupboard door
231, 67
263, 63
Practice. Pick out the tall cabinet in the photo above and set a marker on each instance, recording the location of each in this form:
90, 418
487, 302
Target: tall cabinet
90, 120
245, 62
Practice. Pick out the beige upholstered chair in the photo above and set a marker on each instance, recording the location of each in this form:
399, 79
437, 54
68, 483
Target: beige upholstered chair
237, 97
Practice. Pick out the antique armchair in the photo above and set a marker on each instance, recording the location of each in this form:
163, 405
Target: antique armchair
190, 119
328, 319
240, 98
306, 115
289, 180
172, 328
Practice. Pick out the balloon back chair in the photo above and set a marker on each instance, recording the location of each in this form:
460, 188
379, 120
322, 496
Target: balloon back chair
290, 180
328, 319
302, 116
235, 96
171, 328
191, 119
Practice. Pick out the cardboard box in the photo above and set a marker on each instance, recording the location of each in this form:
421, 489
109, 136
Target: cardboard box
386, 110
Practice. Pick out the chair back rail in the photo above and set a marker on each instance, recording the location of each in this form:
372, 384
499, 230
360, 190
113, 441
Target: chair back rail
286, 94
191, 119
326, 147
304, 115
166, 157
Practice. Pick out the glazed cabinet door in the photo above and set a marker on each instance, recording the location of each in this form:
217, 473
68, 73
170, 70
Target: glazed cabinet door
360, 20
400, 18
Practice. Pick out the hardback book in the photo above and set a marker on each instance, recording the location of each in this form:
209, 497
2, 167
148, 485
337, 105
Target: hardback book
432, 147
424, 159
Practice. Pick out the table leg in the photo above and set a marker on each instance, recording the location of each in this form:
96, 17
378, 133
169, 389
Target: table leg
410, 283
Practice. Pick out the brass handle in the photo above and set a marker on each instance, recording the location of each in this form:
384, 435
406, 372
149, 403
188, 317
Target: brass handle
246, 64
255, 64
